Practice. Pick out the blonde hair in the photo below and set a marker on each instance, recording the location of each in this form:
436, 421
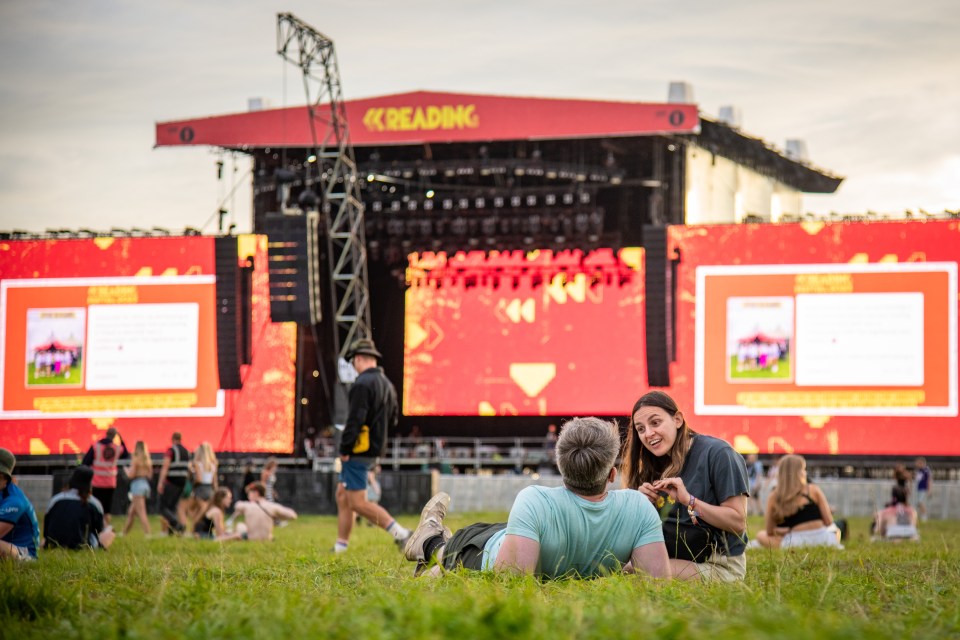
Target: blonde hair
205, 458
791, 485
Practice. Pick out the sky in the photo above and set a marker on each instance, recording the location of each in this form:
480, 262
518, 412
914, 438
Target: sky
873, 87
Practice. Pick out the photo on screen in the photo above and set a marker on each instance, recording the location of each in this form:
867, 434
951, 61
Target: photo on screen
55, 344
759, 339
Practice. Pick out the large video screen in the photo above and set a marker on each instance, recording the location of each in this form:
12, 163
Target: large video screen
820, 338
523, 334
122, 332
817, 338
851, 339
94, 347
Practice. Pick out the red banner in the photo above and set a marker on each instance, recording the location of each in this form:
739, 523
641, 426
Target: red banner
121, 332
419, 117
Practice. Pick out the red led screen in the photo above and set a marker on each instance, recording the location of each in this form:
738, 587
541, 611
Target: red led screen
523, 334
121, 332
487, 335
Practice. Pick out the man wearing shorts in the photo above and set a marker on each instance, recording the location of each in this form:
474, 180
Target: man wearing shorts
19, 529
373, 409
581, 529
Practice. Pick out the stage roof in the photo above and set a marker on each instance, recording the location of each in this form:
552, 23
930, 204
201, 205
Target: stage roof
421, 117
424, 116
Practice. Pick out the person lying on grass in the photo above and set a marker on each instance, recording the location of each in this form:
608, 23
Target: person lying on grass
259, 513
580, 529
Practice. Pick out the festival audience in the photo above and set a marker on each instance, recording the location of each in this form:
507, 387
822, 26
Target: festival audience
698, 481
140, 471
74, 518
797, 514
898, 520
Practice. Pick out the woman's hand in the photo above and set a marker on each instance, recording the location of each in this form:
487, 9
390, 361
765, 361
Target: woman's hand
675, 488
649, 491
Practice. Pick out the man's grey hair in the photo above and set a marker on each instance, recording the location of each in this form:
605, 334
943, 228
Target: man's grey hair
586, 451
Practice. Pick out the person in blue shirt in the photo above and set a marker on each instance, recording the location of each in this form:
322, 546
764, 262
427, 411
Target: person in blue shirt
19, 529
581, 529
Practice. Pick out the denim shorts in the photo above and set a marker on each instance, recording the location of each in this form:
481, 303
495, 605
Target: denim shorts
140, 487
353, 473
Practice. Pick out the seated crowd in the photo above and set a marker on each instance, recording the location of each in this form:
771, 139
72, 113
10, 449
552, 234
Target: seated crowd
680, 509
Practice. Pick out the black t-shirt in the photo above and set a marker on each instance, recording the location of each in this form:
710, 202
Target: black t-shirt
713, 472
71, 523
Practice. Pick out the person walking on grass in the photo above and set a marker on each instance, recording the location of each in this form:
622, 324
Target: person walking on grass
19, 529
923, 481
373, 410
171, 484
140, 471
581, 529
104, 457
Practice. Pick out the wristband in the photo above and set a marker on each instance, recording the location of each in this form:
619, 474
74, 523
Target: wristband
692, 511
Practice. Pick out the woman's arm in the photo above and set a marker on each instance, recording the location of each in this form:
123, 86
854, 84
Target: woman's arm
730, 515
825, 514
768, 523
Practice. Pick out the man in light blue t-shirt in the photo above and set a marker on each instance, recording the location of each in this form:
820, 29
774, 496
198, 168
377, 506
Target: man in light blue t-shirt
580, 529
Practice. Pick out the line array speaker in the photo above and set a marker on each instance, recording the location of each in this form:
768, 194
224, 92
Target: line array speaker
294, 266
230, 329
659, 305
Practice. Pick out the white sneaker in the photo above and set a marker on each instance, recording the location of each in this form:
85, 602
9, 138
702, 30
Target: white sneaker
431, 524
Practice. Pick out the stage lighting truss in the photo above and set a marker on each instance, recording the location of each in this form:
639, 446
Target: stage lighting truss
560, 172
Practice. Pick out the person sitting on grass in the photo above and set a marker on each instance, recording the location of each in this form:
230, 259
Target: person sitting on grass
698, 481
211, 525
798, 514
74, 518
19, 529
259, 513
580, 529
898, 520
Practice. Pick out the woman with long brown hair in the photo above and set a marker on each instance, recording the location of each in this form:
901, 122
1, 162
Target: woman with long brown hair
697, 481
798, 514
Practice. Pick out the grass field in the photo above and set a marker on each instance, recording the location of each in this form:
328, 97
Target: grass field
782, 372
296, 588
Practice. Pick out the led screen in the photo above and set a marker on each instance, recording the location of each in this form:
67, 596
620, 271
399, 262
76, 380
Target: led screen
523, 334
819, 338
122, 332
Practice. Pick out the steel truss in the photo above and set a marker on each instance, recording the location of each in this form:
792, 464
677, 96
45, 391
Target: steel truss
336, 174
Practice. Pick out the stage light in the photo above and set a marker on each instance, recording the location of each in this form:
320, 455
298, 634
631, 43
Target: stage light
312, 158
430, 193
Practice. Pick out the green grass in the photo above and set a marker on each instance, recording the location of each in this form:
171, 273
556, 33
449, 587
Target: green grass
74, 378
296, 588
782, 372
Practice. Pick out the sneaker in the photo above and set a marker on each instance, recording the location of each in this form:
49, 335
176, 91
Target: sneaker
431, 524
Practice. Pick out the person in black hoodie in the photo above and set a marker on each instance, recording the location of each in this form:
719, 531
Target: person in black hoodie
373, 410
74, 518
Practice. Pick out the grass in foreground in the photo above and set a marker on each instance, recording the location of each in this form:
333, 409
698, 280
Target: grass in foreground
296, 588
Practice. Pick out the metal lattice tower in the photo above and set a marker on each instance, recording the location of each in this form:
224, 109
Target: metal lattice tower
313, 52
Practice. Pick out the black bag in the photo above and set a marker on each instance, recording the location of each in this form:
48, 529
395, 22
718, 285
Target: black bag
689, 541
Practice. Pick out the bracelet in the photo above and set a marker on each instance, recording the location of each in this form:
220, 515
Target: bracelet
691, 510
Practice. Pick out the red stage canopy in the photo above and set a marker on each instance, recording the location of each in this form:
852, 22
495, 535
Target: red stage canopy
423, 116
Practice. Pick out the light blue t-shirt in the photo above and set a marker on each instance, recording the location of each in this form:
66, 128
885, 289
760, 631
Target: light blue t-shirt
579, 537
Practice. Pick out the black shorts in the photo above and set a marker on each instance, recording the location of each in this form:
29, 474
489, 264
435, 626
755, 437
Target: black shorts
465, 548
105, 496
